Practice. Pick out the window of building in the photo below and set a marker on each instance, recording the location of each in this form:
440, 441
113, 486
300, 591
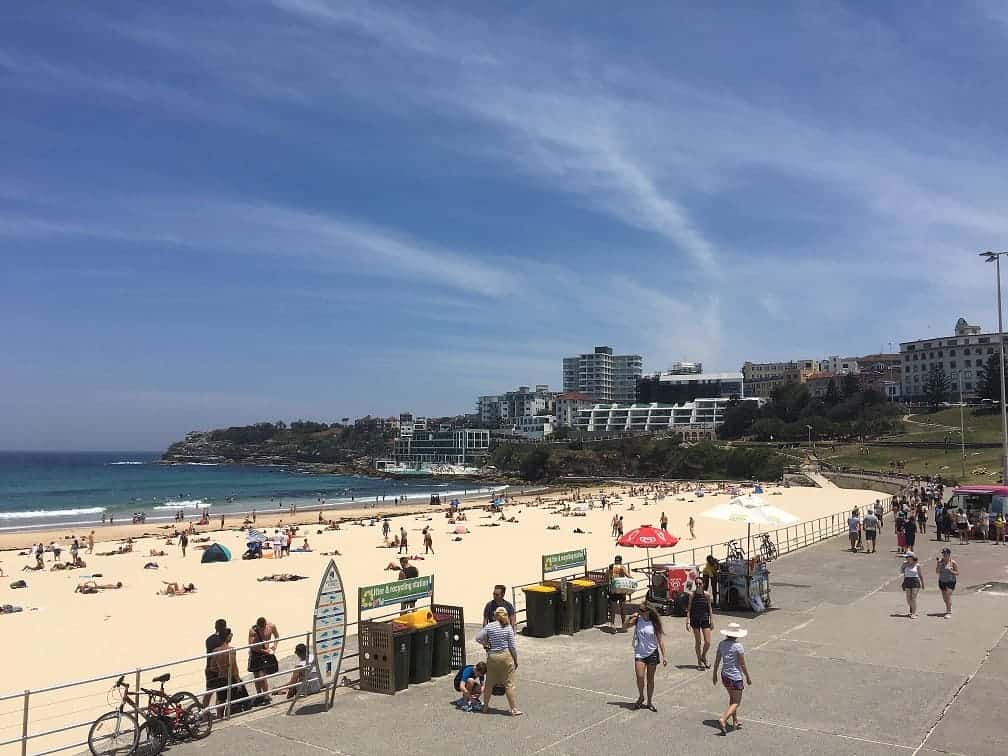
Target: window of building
966, 350
990, 350
952, 363
967, 374
984, 340
951, 352
968, 385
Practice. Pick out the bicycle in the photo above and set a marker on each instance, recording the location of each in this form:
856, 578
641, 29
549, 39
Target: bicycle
735, 551
768, 549
181, 714
115, 733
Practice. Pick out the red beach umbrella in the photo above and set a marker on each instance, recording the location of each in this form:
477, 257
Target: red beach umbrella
648, 537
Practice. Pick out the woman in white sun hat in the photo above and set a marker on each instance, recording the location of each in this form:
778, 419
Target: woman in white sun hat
731, 658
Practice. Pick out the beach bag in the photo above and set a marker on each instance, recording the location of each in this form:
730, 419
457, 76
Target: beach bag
622, 585
19, 584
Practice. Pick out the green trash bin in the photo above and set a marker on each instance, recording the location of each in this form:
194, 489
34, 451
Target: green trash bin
402, 642
589, 595
421, 655
441, 659
542, 603
601, 603
570, 610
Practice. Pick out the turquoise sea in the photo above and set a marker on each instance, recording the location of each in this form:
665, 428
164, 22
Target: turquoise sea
46, 489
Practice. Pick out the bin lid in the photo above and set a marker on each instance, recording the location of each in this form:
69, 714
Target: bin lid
584, 583
539, 589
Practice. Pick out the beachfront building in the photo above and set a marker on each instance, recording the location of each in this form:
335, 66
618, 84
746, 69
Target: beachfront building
966, 351
537, 427
676, 388
694, 420
569, 404
763, 378
496, 410
881, 372
840, 365
602, 375
409, 423
460, 446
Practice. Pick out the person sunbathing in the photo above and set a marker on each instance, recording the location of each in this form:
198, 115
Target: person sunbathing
174, 589
334, 552
157, 552
90, 586
283, 577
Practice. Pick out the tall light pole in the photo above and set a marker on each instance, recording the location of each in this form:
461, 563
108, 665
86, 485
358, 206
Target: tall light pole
810, 436
962, 423
995, 257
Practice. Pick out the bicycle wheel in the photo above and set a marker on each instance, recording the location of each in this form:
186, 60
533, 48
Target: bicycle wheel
198, 721
113, 734
151, 738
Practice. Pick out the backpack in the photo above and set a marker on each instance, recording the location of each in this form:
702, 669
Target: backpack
458, 678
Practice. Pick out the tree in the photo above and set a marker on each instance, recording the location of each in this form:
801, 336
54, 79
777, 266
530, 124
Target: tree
738, 418
849, 385
831, 392
936, 388
989, 379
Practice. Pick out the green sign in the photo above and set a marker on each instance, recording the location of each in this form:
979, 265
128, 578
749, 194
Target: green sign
385, 594
564, 560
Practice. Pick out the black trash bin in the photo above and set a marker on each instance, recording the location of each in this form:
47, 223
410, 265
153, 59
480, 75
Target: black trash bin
589, 595
570, 610
421, 655
441, 659
542, 604
402, 642
601, 603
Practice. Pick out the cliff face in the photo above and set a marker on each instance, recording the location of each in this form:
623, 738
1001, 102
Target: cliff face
315, 446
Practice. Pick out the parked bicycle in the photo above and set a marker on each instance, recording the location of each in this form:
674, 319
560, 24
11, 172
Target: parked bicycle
767, 549
175, 717
735, 551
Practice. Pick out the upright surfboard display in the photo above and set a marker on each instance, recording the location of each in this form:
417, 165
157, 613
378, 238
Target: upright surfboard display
329, 625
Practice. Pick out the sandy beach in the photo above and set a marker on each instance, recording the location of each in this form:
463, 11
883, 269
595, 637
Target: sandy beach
62, 635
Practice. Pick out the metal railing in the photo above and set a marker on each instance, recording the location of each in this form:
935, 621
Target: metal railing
785, 540
93, 701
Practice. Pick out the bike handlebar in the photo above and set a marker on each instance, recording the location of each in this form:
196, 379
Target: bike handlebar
120, 683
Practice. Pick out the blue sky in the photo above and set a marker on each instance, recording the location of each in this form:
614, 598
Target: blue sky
214, 213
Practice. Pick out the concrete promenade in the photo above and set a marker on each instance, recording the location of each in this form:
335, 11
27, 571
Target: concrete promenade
837, 666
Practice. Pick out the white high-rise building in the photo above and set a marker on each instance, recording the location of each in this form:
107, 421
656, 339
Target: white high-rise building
602, 375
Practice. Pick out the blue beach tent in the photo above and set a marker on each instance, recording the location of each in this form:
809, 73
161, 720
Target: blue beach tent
216, 553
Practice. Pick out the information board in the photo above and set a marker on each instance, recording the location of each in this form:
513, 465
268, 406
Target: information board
564, 560
397, 592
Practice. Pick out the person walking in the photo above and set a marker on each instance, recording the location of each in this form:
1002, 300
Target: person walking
999, 528
402, 541
649, 649
90, 542
211, 678
184, 543
496, 603
407, 571
617, 597
428, 541
731, 658
663, 522
700, 620
947, 570
871, 526
854, 529
913, 582
962, 525
498, 637
691, 524
910, 533
710, 578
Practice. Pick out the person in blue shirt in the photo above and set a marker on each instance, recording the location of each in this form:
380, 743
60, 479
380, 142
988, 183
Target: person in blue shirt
469, 683
497, 601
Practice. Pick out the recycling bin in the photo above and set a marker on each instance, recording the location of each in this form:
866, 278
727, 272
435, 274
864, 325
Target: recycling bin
421, 655
570, 606
542, 603
442, 653
589, 597
402, 643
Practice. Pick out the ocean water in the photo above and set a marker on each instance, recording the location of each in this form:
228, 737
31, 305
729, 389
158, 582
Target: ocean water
46, 489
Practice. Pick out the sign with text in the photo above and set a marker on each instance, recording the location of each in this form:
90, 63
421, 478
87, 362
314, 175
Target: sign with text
564, 560
329, 625
400, 591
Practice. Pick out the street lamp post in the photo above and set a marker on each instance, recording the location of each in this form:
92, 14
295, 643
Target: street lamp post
810, 436
995, 257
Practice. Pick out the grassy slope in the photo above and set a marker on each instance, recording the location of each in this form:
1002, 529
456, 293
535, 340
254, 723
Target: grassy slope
982, 465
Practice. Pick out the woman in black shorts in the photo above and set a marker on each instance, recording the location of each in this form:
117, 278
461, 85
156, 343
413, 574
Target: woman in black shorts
947, 570
700, 616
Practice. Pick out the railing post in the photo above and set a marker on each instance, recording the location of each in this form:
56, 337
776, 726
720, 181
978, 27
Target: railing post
227, 700
136, 695
804, 528
24, 725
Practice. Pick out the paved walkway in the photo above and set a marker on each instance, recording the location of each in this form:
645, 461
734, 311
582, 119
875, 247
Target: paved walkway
837, 667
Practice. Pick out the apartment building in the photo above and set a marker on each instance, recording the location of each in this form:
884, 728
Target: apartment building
602, 375
501, 409
762, 378
696, 419
964, 352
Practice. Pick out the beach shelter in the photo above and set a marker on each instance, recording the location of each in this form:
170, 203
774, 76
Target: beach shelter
216, 553
752, 510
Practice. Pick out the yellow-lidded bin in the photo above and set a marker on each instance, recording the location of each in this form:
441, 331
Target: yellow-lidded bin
542, 603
